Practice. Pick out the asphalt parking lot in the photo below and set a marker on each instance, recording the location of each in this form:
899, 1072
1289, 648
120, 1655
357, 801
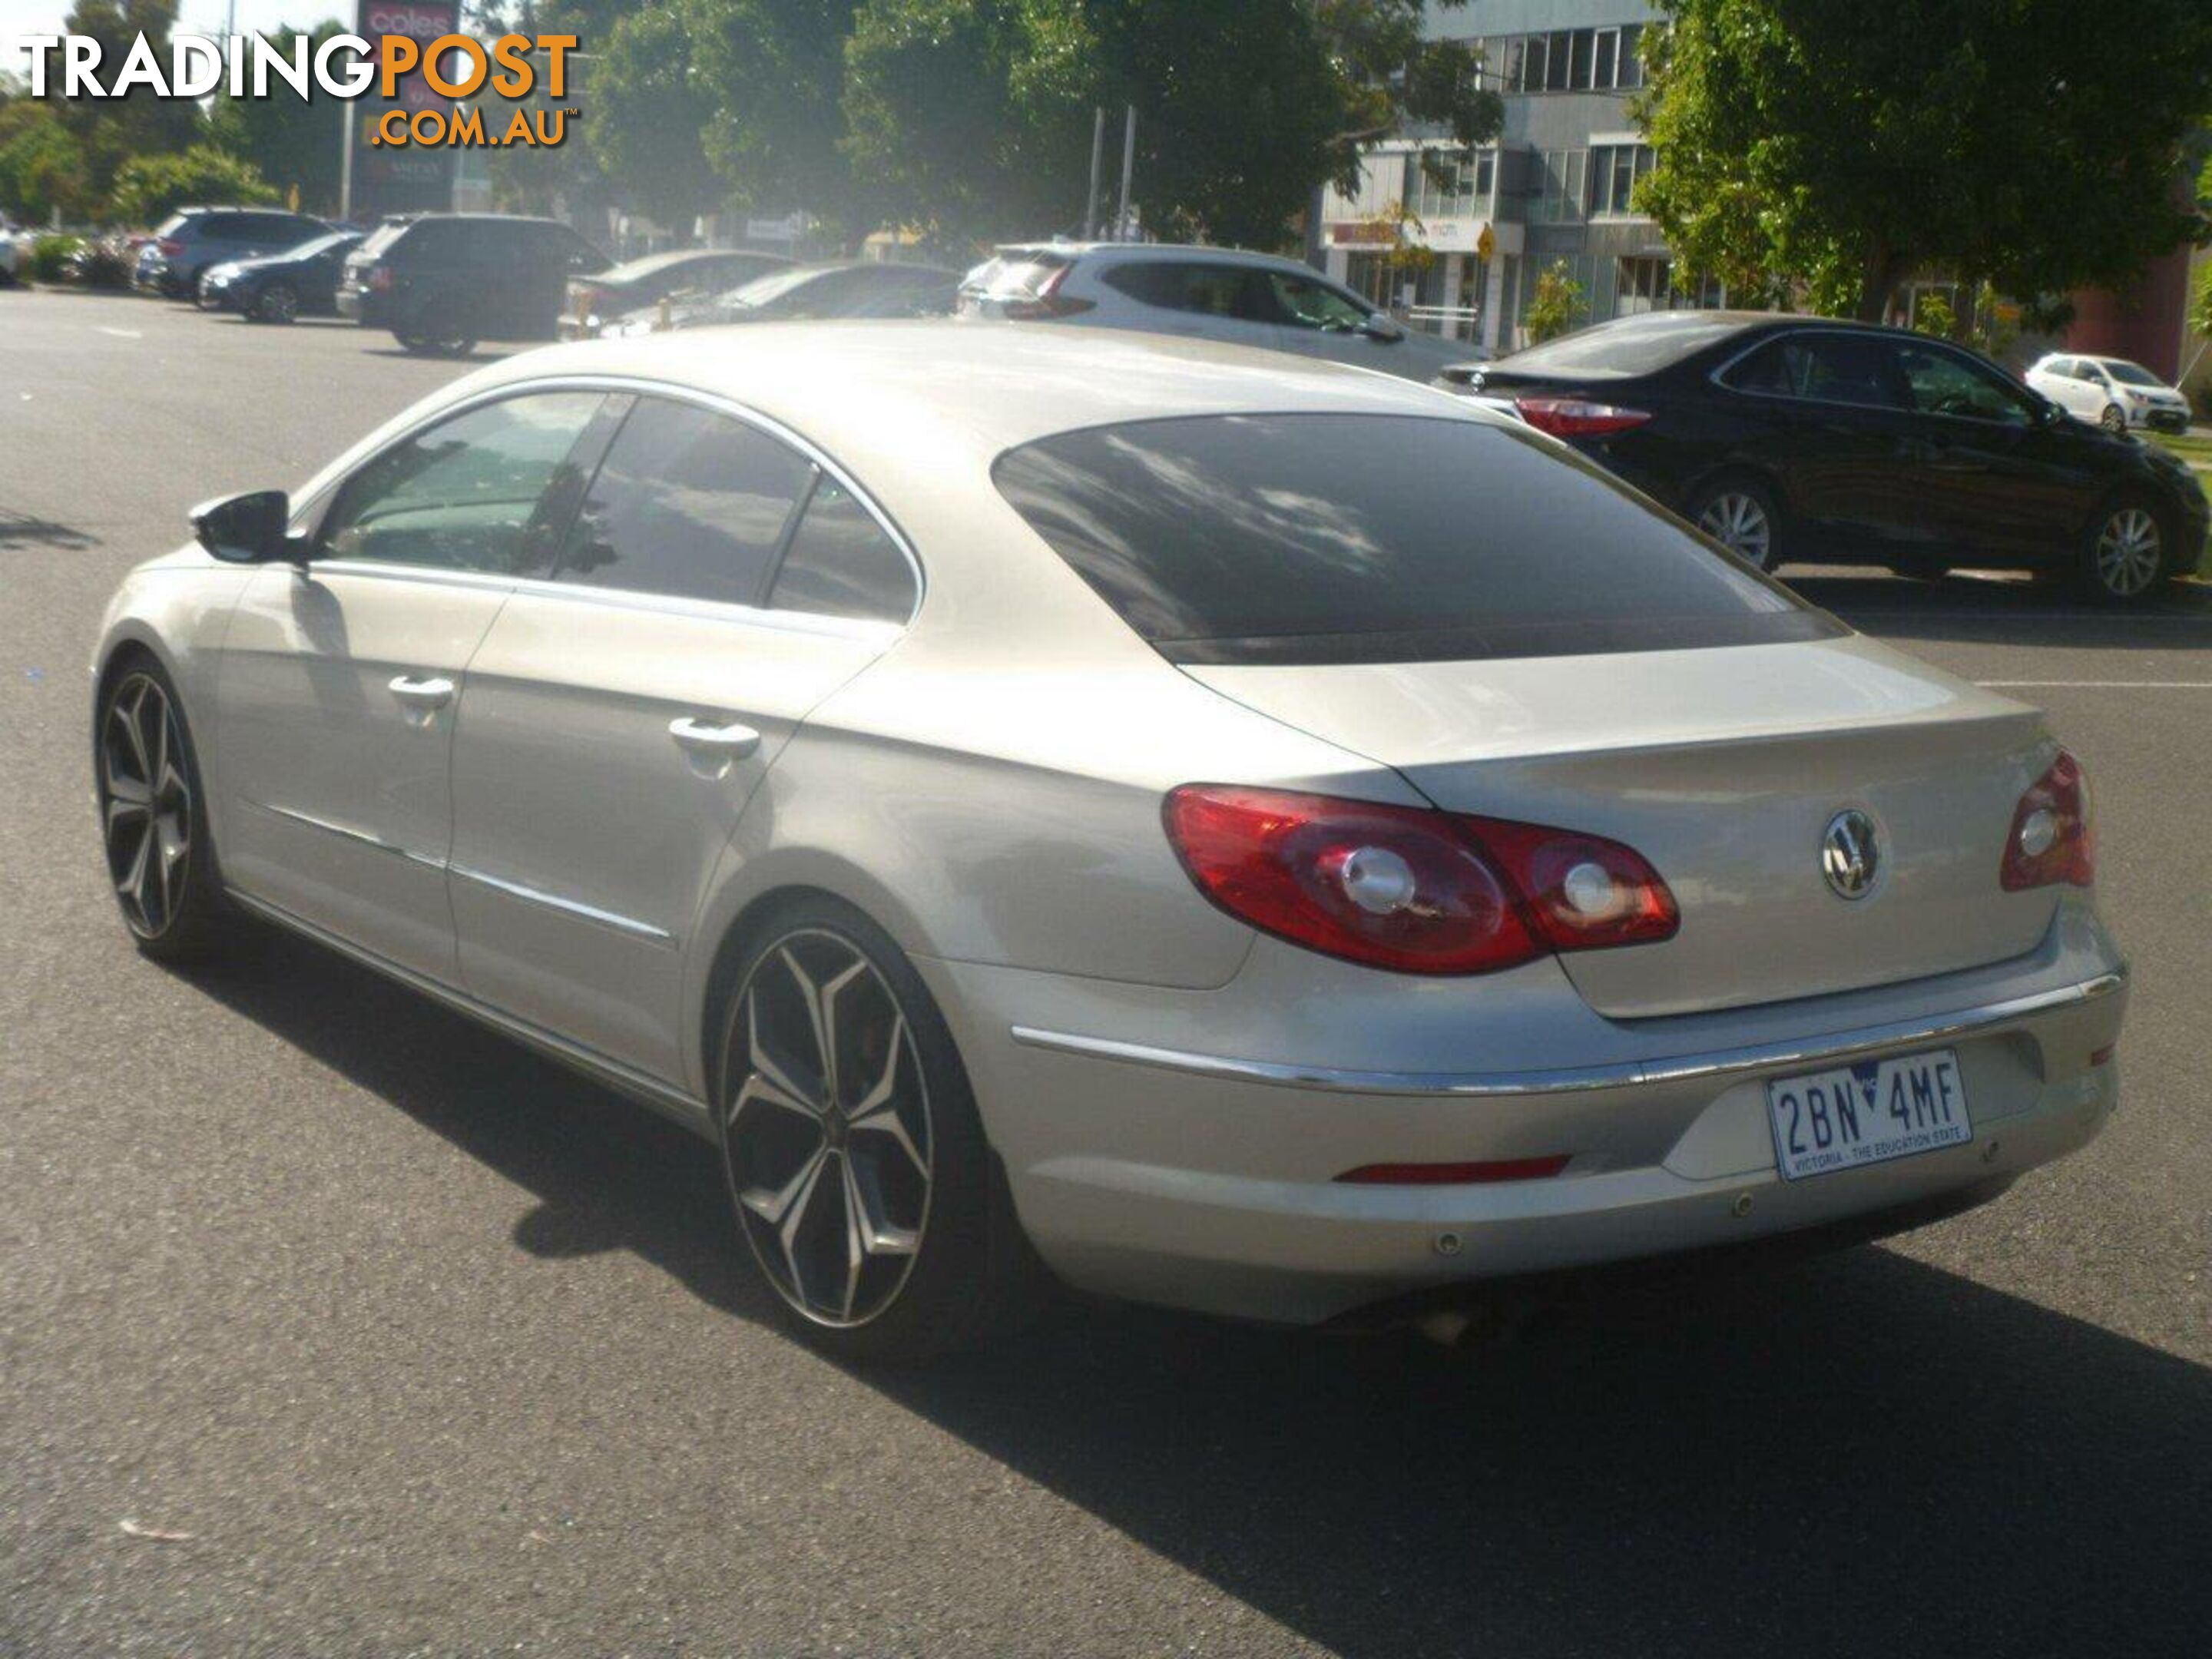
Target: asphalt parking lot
331, 1324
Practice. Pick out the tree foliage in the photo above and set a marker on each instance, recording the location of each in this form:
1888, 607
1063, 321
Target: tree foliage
1556, 306
42, 166
109, 131
290, 141
149, 188
976, 114
1845, 144
649, 107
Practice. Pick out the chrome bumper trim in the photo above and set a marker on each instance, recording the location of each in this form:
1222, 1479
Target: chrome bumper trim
1810, 1051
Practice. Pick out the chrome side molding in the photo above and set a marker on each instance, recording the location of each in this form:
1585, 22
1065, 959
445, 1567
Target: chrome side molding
1625, 1074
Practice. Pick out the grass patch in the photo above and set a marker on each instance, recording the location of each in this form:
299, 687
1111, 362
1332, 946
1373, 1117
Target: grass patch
2197, 451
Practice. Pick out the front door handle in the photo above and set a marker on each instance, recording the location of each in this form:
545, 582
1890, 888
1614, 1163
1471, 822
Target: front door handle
711, 749
422, 698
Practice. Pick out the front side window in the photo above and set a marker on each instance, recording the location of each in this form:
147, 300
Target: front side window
1942, 383
477, 492
1306, 304
688, 503
842, 563
1329, 538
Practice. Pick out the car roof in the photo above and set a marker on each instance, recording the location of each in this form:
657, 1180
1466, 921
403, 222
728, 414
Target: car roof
1135, 251
646, 264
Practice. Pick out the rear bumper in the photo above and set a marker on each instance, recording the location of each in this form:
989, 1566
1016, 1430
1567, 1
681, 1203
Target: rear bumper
1169, 1175
362, 307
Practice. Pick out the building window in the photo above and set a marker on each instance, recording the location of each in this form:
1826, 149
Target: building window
1608, 56
1614, 171
1557, 60
1641, 285
1558, 198
1464, 190
1631, 72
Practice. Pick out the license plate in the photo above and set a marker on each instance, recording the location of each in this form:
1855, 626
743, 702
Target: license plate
1850, 1117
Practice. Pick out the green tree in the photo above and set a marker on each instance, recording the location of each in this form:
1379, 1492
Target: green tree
1556, 306
1845, 144
649, 111
976, 114
42, 166
149, 188
109, 131
291, 141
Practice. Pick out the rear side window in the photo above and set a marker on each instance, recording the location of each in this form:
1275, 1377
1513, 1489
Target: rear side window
1326, 538
842, 563
1624, 350
1830, 369
1242, 291
481, 491
687, 502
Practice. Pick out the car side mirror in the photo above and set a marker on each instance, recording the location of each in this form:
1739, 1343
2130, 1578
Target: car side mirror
1388, 329
246, 529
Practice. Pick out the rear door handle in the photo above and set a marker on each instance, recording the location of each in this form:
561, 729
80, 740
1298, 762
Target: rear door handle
715, 746
425, 696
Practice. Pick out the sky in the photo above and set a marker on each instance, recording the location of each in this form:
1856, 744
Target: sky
21, 17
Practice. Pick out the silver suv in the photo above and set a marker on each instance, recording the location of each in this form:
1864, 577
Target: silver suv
1206, 293
193, 239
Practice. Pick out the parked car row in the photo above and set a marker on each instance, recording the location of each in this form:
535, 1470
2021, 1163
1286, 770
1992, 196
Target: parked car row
1808, 439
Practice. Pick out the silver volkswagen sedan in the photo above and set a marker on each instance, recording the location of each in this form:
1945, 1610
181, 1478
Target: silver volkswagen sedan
1243, 834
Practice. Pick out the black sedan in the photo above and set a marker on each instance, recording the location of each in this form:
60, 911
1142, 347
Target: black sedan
281, 287
641, 283
1805, 439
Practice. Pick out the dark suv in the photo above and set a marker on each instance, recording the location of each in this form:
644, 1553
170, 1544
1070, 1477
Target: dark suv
442, 282
192, 239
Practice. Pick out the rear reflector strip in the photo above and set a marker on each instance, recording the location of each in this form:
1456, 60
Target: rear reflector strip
1457, 1175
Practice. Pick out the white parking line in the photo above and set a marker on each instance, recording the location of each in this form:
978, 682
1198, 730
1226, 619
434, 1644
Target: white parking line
121, 333
2097, 685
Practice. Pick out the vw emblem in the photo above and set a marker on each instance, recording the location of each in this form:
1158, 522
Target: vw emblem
1851, 856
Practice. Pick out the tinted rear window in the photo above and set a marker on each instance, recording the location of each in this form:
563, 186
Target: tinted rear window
1622, 349
1321, 539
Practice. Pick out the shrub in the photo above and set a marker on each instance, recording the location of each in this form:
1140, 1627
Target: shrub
1556, 305
147, 188
49, 258
103, 264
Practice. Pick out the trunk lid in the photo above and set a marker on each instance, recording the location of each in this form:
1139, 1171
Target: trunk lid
1724, 767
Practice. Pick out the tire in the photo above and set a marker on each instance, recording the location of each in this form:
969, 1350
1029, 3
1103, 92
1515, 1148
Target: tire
436, 336
2126, 553
1740, 513
2114, 419
153, 817
914, 1250
279, 302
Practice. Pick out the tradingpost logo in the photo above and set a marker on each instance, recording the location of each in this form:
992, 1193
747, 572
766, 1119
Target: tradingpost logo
420, 65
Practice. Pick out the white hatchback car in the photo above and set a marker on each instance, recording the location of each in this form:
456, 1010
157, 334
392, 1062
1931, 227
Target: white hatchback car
2112, 391
1205, 294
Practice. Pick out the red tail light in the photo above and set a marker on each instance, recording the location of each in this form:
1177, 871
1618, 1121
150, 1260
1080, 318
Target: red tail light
2051, 840
1411, 888
377, 279
1047, 301
1578, 417
170, 246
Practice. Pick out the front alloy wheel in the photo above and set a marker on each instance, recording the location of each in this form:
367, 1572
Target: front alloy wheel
827, 1135
278, 304
1740, 521
2128, 554
146, 805
2114, 419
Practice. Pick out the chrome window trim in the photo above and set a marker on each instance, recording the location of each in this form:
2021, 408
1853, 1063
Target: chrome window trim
335, 477
1822, 1050
568, 906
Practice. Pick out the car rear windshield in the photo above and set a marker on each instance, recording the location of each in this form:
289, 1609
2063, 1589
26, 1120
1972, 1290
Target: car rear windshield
1015, 273
1333, 538
1621, 351
385, 234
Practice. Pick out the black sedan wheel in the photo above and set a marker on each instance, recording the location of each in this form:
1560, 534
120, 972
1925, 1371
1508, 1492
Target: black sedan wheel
277, 303
1741, 517
855, 1160
2125, 558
